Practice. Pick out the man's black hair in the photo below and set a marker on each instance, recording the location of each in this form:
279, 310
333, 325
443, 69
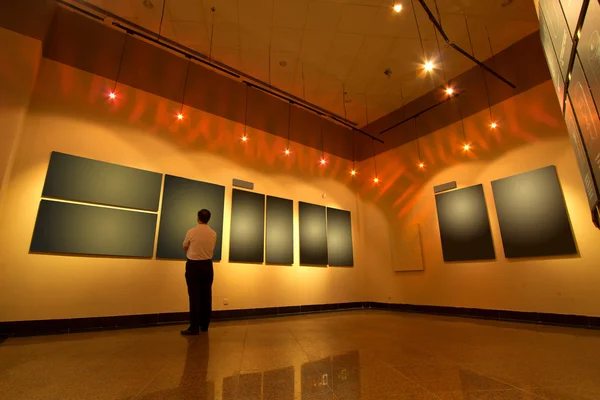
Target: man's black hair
204, 216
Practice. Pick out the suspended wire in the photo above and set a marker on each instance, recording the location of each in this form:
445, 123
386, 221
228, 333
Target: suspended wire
289, 124
490, 43
162, 16
212, 33
462, 123
487, 92
187, 73
346, 118
437, 41
303, 84
121, 62
417, 139
438, 12
322, 140
418, 29
246, 112
374, 160
402, 100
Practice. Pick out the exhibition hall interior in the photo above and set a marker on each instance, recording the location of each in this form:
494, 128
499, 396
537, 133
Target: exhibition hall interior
404, 195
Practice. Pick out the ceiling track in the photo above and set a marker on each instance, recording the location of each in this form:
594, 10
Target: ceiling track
438, 27
136, 30
419, 113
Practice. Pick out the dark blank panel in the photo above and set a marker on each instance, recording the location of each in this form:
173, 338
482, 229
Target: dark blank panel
313, 234
67, 228
90, 181
532, 215
182, 199
280, 231
339, 238
465, 225
589, 48
247, 236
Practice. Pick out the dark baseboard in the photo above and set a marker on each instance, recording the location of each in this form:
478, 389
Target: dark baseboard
75, 325
579, 321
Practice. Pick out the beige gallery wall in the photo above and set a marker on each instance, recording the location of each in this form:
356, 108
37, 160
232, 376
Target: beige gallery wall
531, 135
69, 113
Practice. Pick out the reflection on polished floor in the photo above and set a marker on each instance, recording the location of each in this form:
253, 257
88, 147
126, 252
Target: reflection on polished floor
358, 355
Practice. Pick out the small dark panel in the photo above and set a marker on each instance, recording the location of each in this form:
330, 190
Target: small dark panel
243, 184
280, 231
445, 186
90, 181
465, 225
583, 163
559, 33
339, 238
589, 48
182, 199
67, 228
552, 60
247, 236
313, 234
532, 215
586, 115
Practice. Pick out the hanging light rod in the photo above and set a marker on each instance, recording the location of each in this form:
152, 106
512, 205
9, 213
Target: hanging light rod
438, 27
421, 112
318, 112
150, 36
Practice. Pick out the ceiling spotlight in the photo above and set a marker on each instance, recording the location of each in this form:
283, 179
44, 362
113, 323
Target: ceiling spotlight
428, 66
579, 34
180, 116
323, 161
466, 147
112, 95
376, 180
283, 63
148, 4
287, 152
449, 91
244, 138
421, 165
397, 7
493, 125
353, 172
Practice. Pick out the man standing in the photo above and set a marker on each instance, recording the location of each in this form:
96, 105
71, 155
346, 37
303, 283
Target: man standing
199, 245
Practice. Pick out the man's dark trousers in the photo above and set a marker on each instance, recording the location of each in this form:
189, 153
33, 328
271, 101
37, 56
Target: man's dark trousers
199, 277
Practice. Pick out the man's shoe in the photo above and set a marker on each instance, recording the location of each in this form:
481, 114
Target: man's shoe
189, 332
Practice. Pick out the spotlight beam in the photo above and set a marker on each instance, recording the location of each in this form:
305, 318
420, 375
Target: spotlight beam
457, 48
454, 95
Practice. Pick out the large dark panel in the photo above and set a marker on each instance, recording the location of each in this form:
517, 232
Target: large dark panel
560, 35
182, 199
552, 60
280, 231
68, 228
580, 153
90, 181
247, 236
464, 225
339, 238
589, 48
532, 215
313, 234
586, 115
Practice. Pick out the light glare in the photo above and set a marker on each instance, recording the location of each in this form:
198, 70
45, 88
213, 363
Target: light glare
376, 180
467, 147
493, 125
353, 172
428, 66
112, 95
244, 138
397, 7
449, 91
287, 152
421, 165
180, 116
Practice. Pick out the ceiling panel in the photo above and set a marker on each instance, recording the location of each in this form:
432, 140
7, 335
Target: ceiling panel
290, 14
185, 10
356, 19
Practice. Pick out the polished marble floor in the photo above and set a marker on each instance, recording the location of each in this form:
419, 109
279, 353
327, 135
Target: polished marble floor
357, 355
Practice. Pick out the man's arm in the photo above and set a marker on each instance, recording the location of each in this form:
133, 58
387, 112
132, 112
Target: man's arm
186, 241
